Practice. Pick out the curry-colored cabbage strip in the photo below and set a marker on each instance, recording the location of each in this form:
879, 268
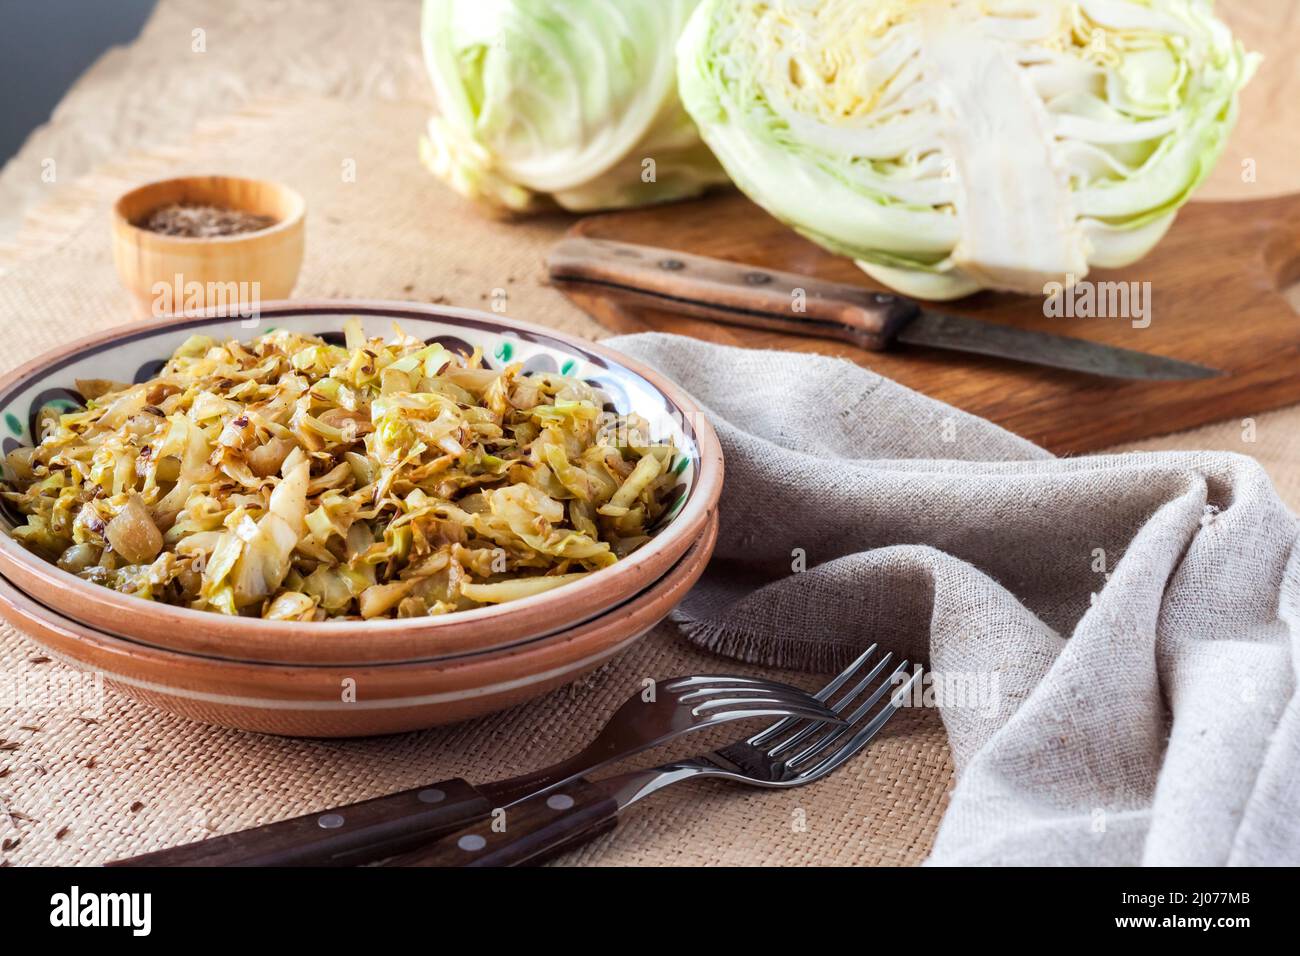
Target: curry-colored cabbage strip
293, 479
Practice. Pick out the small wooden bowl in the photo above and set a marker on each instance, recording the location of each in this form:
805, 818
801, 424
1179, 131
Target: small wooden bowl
170, 274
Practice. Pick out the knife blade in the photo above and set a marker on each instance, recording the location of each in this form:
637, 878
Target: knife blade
754, 297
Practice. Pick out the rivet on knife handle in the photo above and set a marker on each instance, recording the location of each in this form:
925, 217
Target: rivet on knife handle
535, 829
356, 833
730, 292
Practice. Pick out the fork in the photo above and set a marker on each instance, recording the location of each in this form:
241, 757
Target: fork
373, 829
792, 752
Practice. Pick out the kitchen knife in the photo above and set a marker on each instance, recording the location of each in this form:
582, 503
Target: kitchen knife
753, 297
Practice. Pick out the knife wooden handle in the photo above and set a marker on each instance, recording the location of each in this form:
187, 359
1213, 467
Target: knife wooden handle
342, 836
533, 831
731, 292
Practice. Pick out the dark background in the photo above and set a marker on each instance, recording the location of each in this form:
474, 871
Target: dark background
45, 45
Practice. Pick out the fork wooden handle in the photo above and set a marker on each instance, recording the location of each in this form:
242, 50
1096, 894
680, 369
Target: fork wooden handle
530, 831
356, 833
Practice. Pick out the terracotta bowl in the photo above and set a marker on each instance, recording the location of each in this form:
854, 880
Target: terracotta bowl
135, 352
167, 274
307, 701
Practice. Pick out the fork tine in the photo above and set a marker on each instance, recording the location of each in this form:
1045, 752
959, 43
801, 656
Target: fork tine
820, 745
823, 695
861, 738
810, 705
749, 687
771, 708
708, 680
843, 676
789, 701
840, 708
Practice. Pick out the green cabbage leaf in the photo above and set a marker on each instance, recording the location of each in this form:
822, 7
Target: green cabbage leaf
568, 102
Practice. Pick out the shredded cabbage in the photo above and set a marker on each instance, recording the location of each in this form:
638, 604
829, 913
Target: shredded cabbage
953, 145
297, 480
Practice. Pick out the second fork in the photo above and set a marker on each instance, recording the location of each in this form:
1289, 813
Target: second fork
792, 752
373, 829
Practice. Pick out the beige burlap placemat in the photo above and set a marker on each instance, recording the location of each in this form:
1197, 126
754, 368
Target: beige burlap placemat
212, 59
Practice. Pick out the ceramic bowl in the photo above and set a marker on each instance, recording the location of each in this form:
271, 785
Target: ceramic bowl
353, 701
166, 274
136, 352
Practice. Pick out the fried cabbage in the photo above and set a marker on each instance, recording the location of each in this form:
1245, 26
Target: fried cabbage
298, 480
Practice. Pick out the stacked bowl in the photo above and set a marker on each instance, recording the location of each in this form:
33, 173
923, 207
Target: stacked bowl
353, 677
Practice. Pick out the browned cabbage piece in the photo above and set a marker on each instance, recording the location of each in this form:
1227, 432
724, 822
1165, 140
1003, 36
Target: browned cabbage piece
297, 480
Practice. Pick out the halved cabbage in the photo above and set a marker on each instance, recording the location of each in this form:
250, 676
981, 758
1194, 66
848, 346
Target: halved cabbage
570, 100
953, 145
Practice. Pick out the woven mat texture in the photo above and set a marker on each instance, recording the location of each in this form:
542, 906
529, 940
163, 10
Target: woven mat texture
91, 786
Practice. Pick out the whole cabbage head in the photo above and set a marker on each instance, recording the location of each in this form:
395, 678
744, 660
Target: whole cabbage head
954, 145
573, 101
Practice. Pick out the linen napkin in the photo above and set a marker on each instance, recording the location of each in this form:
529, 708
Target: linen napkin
1111, 639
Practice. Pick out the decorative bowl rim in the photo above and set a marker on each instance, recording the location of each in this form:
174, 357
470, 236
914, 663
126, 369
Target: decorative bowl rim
700, 502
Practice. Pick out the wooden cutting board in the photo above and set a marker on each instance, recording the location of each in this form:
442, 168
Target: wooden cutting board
1218, 295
